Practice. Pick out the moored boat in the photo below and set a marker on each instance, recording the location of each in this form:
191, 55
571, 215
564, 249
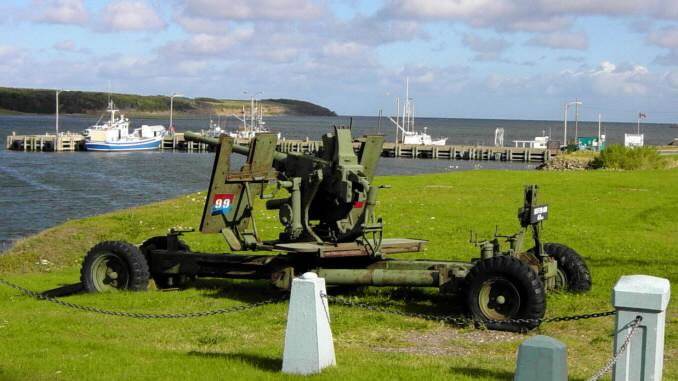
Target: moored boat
114, 135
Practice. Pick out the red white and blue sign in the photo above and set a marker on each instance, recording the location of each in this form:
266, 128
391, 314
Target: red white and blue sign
222, 203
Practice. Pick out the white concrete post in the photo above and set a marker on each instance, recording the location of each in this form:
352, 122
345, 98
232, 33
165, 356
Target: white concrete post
541, 358
308, 339
647, 297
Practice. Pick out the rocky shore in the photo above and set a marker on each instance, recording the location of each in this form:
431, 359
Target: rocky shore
566, 163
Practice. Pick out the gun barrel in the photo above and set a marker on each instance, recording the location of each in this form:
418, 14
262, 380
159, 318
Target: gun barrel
237, 148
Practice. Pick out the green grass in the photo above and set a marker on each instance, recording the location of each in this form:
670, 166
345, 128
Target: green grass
621, 222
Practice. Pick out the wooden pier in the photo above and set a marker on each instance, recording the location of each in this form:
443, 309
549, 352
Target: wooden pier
66, 142
447, 152
177, 142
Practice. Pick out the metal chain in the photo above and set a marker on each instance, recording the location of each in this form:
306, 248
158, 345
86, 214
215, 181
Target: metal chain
137, 315
463, 320
634, 324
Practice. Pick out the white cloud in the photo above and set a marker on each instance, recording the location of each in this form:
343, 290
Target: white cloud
210, 44
253, 9
561, 40
65, 46
524, 15
608, 79
487, 49
11, 56
672, 79
340, 50
59, 11
125, 15
665, 37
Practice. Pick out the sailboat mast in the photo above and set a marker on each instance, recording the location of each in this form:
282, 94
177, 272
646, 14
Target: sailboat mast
407, 103
397, 118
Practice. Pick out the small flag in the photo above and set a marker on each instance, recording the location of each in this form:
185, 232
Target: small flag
641, 115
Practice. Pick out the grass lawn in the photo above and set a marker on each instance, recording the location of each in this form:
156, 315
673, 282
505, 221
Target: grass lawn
621, 222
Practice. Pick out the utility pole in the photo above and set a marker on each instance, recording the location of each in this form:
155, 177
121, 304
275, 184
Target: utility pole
567, 106
576, 120
57, 112
171, 122
600, 142
565, 125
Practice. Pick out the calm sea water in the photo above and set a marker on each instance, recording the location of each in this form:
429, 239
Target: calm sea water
39, 190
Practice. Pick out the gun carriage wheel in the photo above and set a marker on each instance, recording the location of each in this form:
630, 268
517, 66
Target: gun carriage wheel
504, 288
114, 265
573, 273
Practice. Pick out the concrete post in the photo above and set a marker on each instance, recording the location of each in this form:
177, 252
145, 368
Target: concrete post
648, 297
541, 358
308, 339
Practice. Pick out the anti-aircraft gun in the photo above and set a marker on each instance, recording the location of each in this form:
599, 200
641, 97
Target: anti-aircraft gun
326, 204
331, 197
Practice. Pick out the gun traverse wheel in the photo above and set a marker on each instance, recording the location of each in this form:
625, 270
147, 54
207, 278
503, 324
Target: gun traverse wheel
504, 288
573, 274
114, 265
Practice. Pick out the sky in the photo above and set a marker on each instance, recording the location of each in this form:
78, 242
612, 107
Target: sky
515, 59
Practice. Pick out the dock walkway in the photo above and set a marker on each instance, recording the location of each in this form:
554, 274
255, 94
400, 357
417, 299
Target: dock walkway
176, 142
66, 142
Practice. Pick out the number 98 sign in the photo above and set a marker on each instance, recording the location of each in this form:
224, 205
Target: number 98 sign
222, 203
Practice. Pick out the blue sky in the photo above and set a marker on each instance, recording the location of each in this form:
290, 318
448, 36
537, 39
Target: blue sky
518, 59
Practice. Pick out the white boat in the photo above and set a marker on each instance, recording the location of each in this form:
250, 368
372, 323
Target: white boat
114, 135
214, 130
252, 123
538, 142
405, 131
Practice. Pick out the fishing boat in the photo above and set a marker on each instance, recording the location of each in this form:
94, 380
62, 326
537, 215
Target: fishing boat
214, 130
114, 135
405, 131
252, 123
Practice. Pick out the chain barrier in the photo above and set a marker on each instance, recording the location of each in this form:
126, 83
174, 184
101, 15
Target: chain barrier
137, 315
634, 324
460, 320
457, 320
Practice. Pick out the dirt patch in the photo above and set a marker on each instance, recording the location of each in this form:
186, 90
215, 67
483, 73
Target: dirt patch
448, 341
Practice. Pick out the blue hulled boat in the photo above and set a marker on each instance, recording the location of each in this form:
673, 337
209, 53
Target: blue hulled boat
114, 135
125, 145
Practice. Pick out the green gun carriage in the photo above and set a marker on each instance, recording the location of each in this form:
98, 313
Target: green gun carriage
330, 227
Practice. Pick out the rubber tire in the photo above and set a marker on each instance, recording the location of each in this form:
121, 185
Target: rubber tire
526, 281
163, 281
572, 264
130, 254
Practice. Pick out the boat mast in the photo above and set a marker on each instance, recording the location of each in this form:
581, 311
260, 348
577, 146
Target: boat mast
397, 124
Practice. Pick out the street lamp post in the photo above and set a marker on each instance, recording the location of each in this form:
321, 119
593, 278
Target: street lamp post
567, 106
57, 111
171, 122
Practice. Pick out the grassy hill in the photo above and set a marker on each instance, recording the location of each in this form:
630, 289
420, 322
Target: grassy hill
621, 222
38, 101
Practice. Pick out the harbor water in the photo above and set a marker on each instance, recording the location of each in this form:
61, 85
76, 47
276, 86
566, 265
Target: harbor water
40, 190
